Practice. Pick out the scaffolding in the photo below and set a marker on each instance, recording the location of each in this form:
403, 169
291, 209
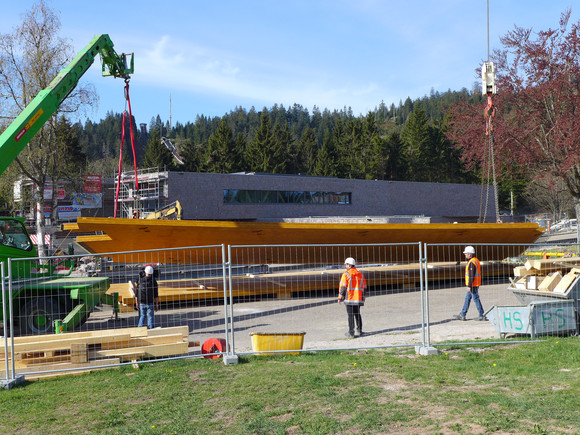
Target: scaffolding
151, 196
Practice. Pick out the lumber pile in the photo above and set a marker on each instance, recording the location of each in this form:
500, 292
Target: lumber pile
549, 275
85, 351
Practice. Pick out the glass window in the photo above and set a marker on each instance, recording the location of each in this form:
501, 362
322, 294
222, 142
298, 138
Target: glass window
14, 235
233, 196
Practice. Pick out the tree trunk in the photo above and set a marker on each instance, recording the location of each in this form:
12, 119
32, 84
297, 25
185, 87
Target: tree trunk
40, 226
577, 211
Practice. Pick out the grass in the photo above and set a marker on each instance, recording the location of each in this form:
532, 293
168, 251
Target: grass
524, 388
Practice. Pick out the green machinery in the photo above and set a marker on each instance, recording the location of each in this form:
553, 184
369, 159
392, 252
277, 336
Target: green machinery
43, 294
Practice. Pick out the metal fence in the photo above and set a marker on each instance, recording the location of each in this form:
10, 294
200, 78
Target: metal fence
218, 301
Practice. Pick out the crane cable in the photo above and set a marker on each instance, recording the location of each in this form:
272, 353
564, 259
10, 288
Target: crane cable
488, 77
127, 104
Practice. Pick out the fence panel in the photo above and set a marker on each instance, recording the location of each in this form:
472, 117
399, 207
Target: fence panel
526, 292
279, 292
76, 313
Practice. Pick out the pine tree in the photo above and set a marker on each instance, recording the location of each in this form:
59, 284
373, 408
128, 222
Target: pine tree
156, 154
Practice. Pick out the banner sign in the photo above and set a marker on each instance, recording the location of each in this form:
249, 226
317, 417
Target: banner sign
93, 184
48, 191
87, 200
68, 213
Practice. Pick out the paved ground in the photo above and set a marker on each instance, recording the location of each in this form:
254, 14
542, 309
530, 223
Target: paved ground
389, 319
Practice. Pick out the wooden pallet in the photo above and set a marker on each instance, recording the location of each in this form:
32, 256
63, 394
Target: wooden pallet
86, 351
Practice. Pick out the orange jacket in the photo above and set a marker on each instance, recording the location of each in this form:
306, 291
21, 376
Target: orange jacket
475, 276
352, 287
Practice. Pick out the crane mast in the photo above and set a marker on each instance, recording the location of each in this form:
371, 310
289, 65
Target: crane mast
45, 104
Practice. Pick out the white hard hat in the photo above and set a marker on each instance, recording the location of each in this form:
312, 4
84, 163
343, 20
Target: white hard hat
350, 261
469, 250
148, 270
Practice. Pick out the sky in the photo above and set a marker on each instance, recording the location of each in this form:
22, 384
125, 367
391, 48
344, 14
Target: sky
208, 58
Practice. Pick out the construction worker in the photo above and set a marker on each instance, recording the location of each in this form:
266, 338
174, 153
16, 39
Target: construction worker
351, 292
473, 282
147, 291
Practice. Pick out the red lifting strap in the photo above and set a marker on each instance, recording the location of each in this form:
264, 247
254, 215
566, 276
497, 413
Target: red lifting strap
128, 102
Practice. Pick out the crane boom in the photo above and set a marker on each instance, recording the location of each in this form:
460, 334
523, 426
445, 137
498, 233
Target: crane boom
44, 105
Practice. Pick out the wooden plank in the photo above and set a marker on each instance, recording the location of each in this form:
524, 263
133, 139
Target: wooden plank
65, 343
152, 351
144, 341
81, 368
29, 371
183, 330
78, 353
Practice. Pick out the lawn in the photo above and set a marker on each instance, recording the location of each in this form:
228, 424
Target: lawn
518, 388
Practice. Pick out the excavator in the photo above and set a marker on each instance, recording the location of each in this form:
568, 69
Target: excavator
171, 211
41, 297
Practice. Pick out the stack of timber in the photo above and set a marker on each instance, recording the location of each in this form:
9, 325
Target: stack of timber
79, 352
547, 275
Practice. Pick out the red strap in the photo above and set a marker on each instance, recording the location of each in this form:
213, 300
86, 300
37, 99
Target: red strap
120, 163
128, 102
132, 135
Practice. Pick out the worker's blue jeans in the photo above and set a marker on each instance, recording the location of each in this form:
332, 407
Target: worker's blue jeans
147, 312
474, 293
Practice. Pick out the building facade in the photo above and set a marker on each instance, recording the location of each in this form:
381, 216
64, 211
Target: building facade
250, 196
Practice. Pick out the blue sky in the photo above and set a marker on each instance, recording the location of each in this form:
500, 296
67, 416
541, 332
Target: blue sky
214, 56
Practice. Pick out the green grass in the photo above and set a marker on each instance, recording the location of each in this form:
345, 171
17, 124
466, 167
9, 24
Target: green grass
524, 388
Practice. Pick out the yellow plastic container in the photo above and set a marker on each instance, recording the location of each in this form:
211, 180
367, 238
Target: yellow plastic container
270, 341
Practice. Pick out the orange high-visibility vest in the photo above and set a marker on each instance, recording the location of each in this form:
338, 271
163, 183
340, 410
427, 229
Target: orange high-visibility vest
355, 284
477, 277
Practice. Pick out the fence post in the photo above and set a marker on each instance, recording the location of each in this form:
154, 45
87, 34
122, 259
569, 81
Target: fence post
425, 348
230, 357
11, 379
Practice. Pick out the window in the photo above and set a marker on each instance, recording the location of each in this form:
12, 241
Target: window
14, 235
234, 196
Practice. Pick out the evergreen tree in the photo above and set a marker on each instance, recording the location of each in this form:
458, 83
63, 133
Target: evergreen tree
417, 137
309, 151
264, 153
326, 160
156, 154
223, 153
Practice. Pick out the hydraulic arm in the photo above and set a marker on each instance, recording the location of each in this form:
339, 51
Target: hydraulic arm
45, 104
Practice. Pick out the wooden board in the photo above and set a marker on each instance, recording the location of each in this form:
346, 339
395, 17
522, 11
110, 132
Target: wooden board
83, 351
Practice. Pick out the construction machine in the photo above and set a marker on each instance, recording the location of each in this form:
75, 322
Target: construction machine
43, 294
171, 211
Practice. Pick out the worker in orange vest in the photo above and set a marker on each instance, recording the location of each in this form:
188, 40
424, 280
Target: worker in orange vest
352, 293
473, 282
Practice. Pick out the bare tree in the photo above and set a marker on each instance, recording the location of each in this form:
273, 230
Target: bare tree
30, 57
550, 196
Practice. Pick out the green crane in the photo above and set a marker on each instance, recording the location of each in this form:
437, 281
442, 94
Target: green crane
40, 296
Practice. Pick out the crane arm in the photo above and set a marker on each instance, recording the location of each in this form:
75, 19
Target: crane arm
45, 104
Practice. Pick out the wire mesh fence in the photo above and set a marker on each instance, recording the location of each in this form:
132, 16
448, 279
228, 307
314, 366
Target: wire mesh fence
526, 292
63, 314
75, 312
295, 292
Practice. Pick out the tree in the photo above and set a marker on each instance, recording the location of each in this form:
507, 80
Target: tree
266, 152
536, 123
309, 150
224, 154
417, 138
326, 161
156, 154
30, 57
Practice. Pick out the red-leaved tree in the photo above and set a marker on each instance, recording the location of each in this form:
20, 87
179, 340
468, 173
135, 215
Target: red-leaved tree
536, 122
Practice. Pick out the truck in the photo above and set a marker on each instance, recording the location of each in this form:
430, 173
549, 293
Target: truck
41, 293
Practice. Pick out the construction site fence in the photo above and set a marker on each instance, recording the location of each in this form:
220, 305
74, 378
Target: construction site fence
225, 301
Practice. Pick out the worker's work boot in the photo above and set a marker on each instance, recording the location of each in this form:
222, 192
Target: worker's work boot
358, 333
349, 334
459, 317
